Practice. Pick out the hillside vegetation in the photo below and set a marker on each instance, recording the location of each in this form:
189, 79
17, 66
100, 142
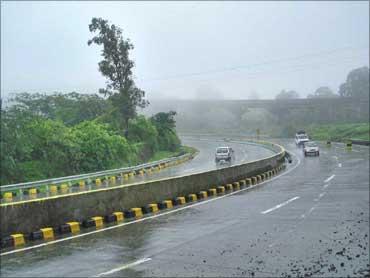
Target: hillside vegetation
340, 132
65, 134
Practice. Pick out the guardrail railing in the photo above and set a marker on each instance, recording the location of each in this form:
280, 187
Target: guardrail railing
88, 177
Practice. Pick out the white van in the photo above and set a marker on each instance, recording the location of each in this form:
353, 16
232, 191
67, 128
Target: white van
300, 138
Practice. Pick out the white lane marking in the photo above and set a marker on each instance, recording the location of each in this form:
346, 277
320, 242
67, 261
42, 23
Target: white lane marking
303, 216
150, 217
322, 195
124, 267
356, 151
336, 157
326, 185
280, 205
340, 165
311, 210
329, 178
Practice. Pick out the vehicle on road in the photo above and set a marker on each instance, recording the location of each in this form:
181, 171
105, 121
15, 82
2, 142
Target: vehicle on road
224, 154
301, 137
311, 147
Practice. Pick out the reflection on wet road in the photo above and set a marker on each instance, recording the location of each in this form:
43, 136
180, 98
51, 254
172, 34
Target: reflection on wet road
312, 221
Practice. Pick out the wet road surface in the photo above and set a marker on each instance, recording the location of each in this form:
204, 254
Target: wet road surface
313, 220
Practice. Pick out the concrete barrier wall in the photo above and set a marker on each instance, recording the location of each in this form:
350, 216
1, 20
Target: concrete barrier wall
33, 215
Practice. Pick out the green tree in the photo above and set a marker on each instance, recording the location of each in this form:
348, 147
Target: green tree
71, 108
358, 83
343, 90
165, 124
116, 66
100, 148
287, 95
322, 92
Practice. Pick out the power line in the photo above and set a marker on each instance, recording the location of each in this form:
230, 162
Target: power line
235, 68
300, 68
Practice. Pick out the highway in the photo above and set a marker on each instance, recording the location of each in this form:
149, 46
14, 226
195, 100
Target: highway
202, 162
311, 220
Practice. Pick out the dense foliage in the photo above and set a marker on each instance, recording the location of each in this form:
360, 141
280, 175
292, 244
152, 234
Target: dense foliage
45, 136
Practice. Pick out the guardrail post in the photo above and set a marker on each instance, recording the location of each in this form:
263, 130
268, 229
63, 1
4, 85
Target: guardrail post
47, 190
20, 193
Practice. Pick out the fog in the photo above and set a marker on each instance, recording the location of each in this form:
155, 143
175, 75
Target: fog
187, 50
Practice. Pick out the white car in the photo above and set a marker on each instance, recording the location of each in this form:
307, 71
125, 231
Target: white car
311, 147
224, 154
301, 138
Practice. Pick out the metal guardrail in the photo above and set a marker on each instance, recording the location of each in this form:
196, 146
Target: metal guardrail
89, 176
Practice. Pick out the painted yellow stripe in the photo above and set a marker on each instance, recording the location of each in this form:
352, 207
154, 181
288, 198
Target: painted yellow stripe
75, 226
98, 182
48, 233
98, 221
53, 188
8, 195
137, 212
169, 203
119, 215
192, 197
18, 239
221, 188
181, 200
229, 186
236, 185
32, 191
204, 194
212, 191
154, 207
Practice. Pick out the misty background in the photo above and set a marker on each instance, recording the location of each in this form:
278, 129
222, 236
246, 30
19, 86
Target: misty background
187, 50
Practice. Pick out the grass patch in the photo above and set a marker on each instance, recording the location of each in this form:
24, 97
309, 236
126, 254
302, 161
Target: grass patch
167, 154
339, 132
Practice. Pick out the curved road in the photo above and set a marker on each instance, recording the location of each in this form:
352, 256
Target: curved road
312, 220
204, 161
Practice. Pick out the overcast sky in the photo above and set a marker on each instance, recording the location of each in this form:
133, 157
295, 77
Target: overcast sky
187, 49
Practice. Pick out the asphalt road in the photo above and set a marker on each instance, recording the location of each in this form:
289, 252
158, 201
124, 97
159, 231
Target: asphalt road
313, 220
204, 161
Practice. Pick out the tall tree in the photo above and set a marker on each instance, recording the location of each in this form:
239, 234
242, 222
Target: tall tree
358, 83
116, 66
342, 90
287, 95
322, 92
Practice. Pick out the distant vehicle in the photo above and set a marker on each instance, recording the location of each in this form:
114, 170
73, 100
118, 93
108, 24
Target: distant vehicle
311, 147
301, 137
224, 154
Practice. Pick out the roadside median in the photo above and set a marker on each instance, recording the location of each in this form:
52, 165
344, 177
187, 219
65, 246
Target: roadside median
77, 207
